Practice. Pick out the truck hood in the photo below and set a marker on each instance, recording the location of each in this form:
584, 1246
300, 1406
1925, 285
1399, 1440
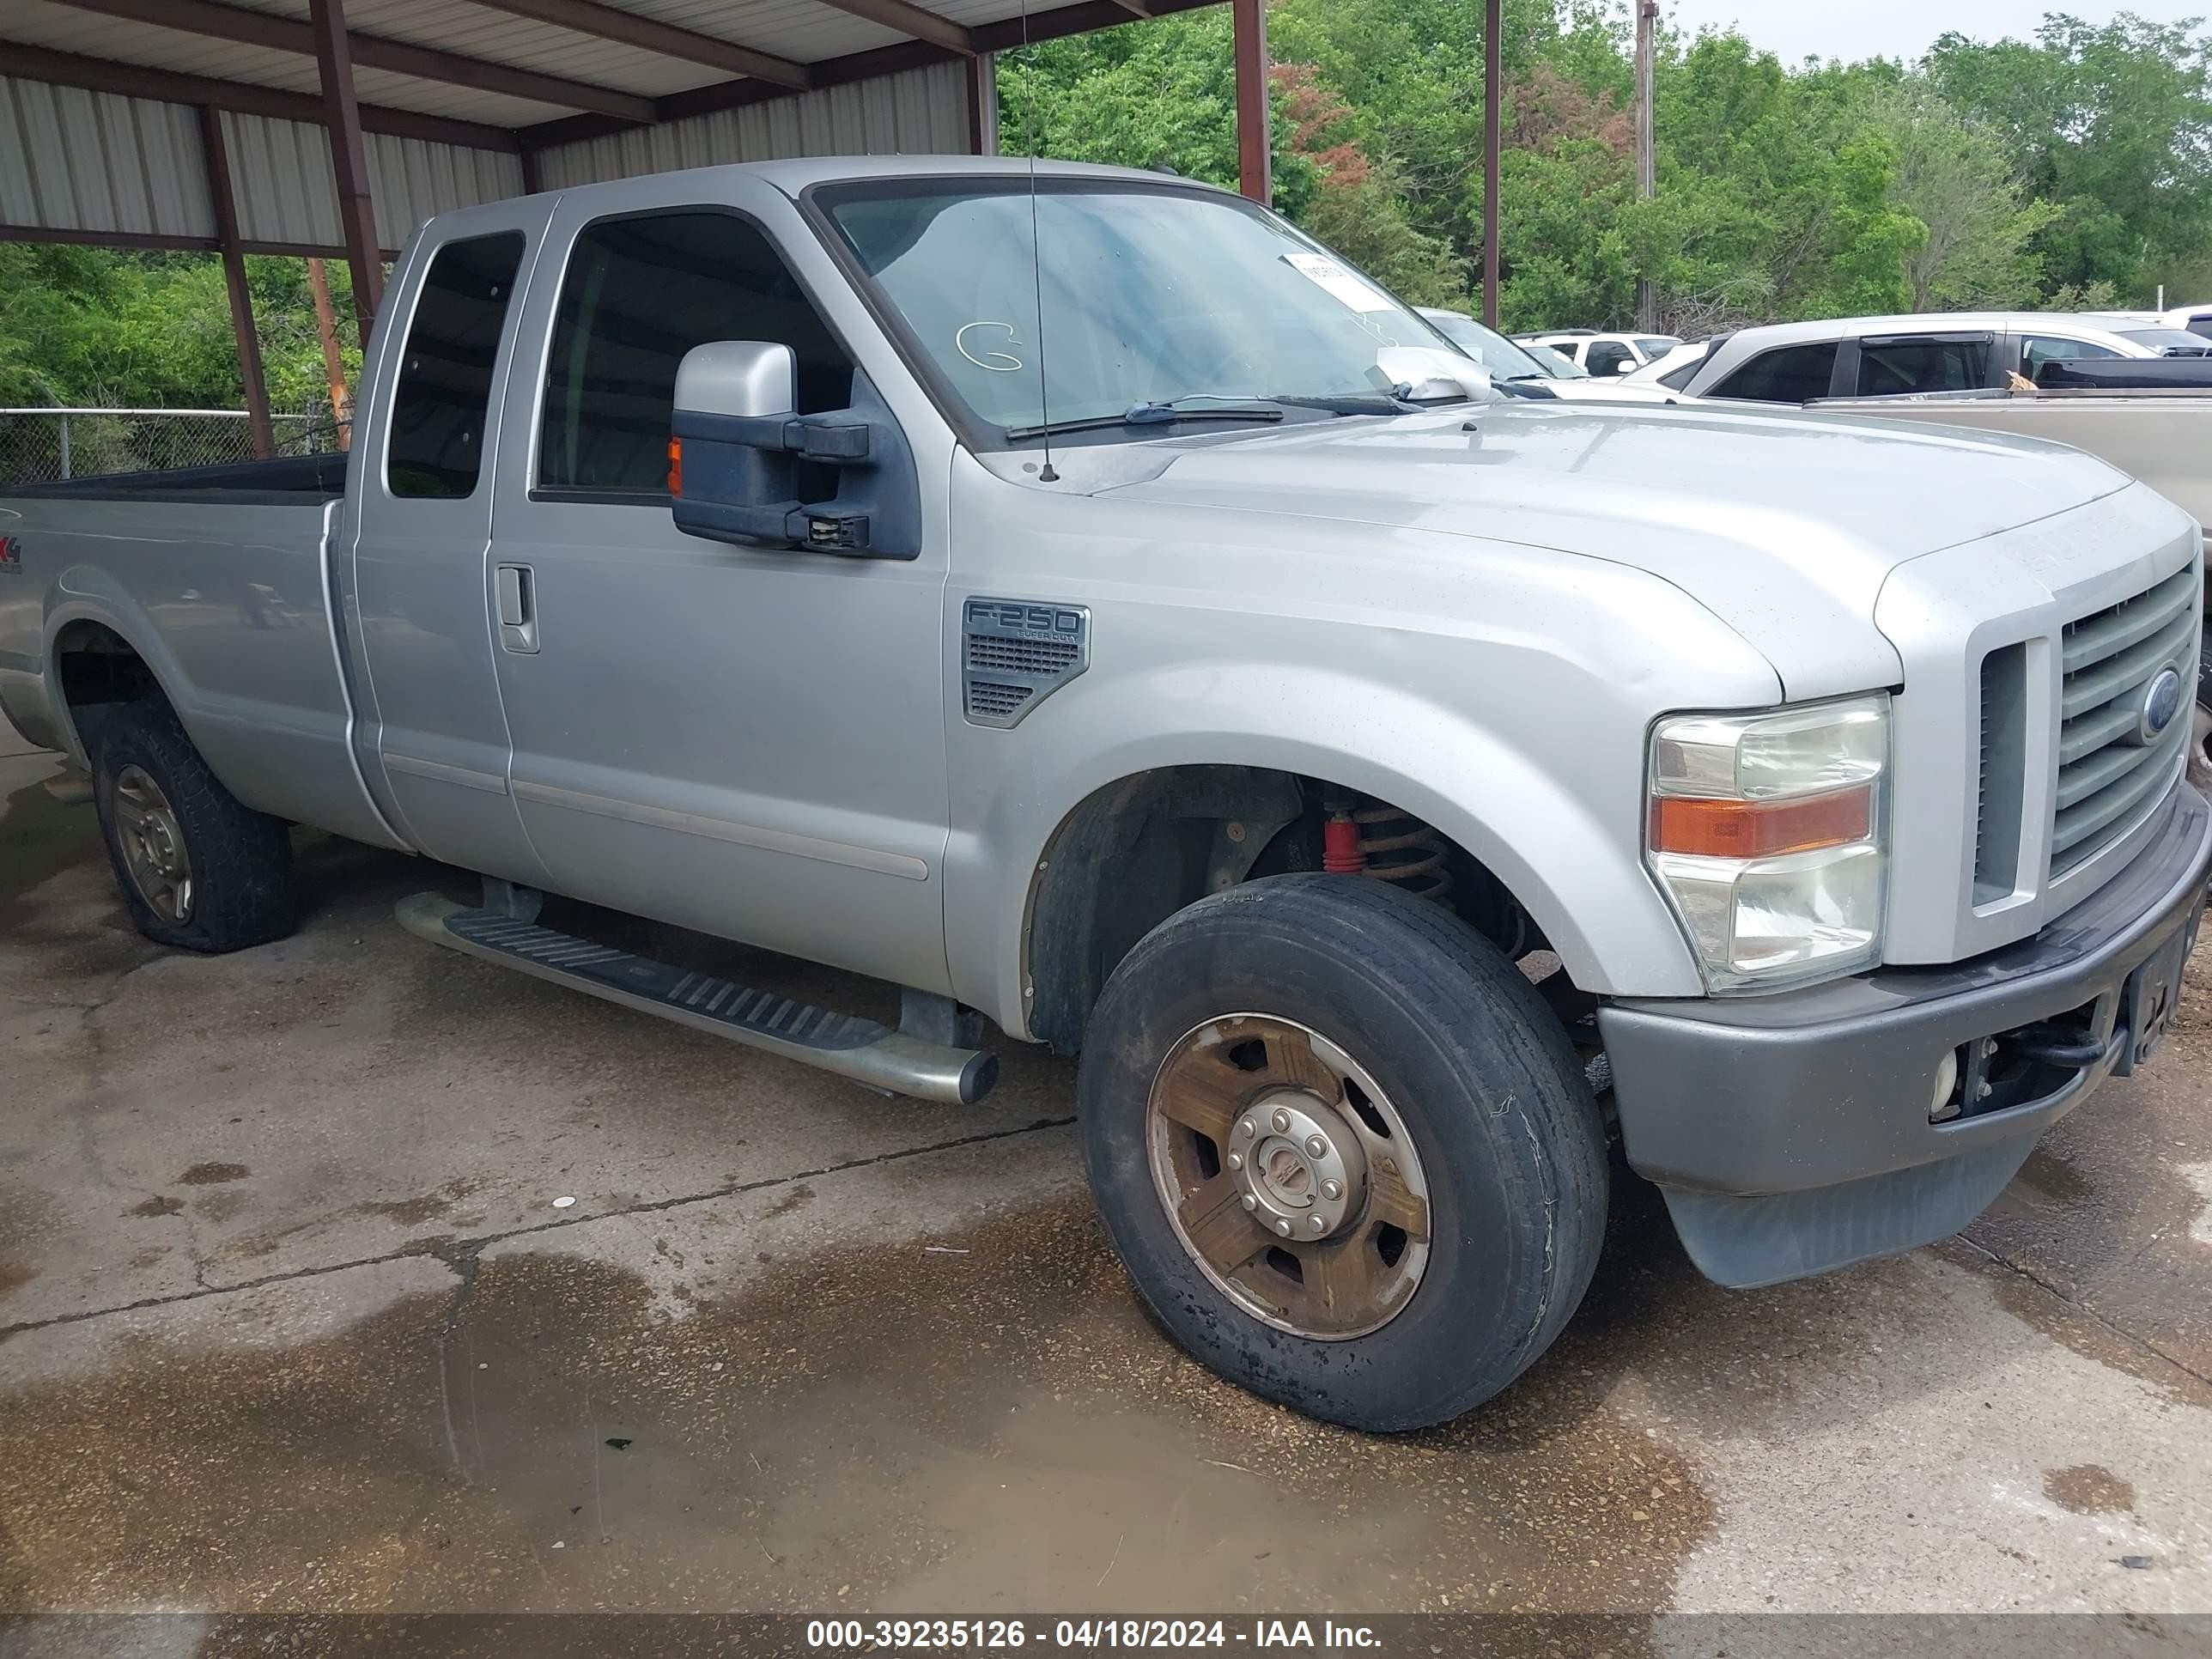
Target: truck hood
1784, 525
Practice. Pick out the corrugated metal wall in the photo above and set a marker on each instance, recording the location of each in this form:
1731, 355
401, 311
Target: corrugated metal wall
94, 160
921, 111
281, 177
98, 162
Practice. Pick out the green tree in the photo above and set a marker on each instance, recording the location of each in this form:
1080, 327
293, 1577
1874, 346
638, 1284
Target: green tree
2111, 122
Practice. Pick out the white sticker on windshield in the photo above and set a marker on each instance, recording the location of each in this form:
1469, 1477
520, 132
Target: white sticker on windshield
1344, 288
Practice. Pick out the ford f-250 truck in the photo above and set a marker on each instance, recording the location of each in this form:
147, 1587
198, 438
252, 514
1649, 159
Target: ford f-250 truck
1204, 677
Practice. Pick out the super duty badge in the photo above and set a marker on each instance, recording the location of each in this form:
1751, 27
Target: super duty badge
1017, 653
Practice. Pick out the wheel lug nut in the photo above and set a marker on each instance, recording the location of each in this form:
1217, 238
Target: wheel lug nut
1320, 1225
1235, 1160
1250, 1202
1282, 1121
1332, 1190
1317, 1147
1283, 1228
1247, 1128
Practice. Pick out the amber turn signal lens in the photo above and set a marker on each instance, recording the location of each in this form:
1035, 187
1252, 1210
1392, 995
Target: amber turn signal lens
1758, 830
676, 466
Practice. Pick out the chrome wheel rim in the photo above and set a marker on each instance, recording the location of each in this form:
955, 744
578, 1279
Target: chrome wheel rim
152, 842
1288, 1177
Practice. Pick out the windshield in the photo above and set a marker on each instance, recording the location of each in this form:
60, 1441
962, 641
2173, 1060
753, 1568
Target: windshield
2169, 342
1150, 296
1501, 356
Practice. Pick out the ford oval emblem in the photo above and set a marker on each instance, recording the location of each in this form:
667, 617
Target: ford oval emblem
2162, 702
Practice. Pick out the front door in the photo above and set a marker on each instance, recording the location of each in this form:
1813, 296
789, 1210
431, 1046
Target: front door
433, 734
747, 741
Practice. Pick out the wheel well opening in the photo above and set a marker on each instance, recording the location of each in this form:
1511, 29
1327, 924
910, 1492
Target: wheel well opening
98, 669
1141, 848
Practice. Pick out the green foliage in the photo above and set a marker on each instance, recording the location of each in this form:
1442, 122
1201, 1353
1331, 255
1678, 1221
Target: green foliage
2011, 173
100, 327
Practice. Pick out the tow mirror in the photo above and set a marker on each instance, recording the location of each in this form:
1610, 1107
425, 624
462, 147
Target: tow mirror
1429, 374
740, 456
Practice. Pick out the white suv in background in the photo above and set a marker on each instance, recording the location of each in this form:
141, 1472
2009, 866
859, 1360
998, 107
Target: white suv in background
1892, 356
1602, 353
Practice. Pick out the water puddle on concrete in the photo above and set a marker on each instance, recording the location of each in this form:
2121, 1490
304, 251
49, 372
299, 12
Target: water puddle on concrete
980, 1423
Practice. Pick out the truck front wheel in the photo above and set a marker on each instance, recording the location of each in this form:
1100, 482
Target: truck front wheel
199, 870
1343, 1148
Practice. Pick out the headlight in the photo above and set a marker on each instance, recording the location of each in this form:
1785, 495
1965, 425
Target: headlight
1768, 833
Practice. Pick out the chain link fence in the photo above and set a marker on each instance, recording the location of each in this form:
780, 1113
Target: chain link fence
42, 446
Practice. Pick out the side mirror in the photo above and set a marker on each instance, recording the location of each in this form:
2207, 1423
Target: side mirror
737, 447
1427, 375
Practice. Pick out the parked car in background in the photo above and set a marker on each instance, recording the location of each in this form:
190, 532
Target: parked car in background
1603, 354
1892, 356
1528, 367
2198, 320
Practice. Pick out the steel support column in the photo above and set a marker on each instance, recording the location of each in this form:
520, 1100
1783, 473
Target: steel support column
216, 155
1493, 96
1255, 153
349, 161
983, 103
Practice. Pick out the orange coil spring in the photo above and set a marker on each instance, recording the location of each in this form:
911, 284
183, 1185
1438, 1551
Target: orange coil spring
1404, 850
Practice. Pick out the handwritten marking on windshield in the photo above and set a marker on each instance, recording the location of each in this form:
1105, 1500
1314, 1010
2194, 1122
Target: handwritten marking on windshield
999, 363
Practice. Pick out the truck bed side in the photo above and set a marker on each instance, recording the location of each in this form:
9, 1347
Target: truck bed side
223, 593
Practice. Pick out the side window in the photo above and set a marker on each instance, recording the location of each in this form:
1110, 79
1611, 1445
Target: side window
1787, 375
1571, 349
2037, 350
1887, 368
438, 409
2202, 324
1607, 357
1676, 378
639, 292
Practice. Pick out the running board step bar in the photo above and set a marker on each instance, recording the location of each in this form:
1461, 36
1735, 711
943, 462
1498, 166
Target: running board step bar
844, 1043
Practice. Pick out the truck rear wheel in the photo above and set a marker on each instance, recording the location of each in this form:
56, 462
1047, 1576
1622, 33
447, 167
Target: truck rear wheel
199, 870
1343, 1148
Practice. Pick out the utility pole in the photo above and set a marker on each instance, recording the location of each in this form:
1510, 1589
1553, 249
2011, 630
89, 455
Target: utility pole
1647, 149
1492, 95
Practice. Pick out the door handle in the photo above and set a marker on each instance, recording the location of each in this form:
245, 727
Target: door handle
514, 590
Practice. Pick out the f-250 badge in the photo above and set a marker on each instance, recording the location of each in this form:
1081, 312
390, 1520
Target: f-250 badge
1014, 654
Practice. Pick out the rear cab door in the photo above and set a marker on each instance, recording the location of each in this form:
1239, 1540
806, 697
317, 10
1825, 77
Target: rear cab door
433, 737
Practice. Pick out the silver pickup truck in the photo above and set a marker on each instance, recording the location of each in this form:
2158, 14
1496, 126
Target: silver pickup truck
1396, 790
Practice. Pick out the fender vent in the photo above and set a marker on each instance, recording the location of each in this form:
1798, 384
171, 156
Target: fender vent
1015, 653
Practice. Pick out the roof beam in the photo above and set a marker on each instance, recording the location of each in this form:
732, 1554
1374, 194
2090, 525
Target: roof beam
278, 33
910, 19
650, 35
1063, 20
67, 69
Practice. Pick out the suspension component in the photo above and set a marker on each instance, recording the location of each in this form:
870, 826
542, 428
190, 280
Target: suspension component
1395, 846
1340, 851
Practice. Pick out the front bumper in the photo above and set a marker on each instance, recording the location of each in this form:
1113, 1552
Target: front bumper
1791, 1132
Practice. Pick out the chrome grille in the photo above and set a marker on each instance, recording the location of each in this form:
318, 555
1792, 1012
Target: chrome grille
2106, 773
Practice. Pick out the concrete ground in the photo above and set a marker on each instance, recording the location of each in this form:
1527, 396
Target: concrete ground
290, 1320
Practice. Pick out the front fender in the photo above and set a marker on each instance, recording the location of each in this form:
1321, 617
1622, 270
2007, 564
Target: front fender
1570, 855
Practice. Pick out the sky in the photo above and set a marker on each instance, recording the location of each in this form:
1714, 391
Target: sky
1792, 29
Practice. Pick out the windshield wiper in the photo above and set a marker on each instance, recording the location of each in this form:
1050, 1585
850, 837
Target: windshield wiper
1144, 414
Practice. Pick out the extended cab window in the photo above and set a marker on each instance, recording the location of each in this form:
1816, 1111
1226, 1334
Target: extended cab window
438, 410
1787, 375
639, 292
1922, 363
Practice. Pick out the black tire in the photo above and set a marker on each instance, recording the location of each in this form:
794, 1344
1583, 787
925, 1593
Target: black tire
240, 859
1476, 1065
